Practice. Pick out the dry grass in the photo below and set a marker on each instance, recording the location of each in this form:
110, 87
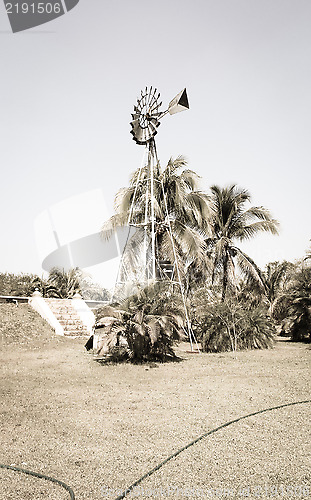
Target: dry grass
95, 426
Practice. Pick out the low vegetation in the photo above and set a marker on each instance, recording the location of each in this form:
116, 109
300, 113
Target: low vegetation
59, 284
18, 285
232, 325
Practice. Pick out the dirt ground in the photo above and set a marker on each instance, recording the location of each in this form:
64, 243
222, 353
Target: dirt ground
100, 428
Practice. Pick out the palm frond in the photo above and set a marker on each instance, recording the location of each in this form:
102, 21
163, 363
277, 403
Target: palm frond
190, 179
111, 225
250, 269
189, 240
247, 232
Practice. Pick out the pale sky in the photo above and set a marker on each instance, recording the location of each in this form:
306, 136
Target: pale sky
68, 89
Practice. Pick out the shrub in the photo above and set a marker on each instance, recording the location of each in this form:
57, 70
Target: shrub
230, 325
18, 285
149, 322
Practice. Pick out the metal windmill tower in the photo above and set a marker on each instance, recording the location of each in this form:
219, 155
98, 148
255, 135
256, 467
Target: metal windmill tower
147, 267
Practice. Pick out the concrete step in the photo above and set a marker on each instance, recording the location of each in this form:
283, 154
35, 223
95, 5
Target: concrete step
59, 302
75, 329
72, 326
76, 333
61, 310
71, 315
67, 316
70, 321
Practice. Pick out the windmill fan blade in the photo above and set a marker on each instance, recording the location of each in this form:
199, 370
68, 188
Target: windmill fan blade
146, 116
144, 124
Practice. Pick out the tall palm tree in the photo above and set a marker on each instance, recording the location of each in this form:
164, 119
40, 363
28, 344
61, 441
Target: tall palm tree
232, 222
180, 210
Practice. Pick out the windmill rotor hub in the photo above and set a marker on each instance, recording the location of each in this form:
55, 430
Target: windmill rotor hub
147, 114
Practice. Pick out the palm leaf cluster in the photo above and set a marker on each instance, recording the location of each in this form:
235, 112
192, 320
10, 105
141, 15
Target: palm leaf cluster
64, 284
232, 324
277, 276
143, 327
180, 212
293, 305
60, 283
229, 328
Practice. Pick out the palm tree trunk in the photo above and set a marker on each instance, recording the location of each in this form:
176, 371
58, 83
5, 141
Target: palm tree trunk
224, 279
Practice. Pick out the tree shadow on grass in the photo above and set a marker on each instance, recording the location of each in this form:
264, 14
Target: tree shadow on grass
152, 362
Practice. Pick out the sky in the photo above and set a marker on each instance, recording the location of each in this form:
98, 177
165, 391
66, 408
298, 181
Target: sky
68, 87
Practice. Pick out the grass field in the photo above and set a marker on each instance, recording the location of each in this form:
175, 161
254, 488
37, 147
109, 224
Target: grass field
99, 428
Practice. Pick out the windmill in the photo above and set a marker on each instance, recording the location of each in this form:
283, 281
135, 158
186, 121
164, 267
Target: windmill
144, 266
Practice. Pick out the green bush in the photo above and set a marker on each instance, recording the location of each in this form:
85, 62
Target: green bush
231, 326
149, 322
18, 285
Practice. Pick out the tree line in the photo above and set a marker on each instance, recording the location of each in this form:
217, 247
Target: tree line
59, 284
232, 304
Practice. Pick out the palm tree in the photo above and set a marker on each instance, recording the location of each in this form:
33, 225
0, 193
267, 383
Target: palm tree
294, 305
64, 284
300, 307
180, 214
276, 275
149, 322
231, 221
